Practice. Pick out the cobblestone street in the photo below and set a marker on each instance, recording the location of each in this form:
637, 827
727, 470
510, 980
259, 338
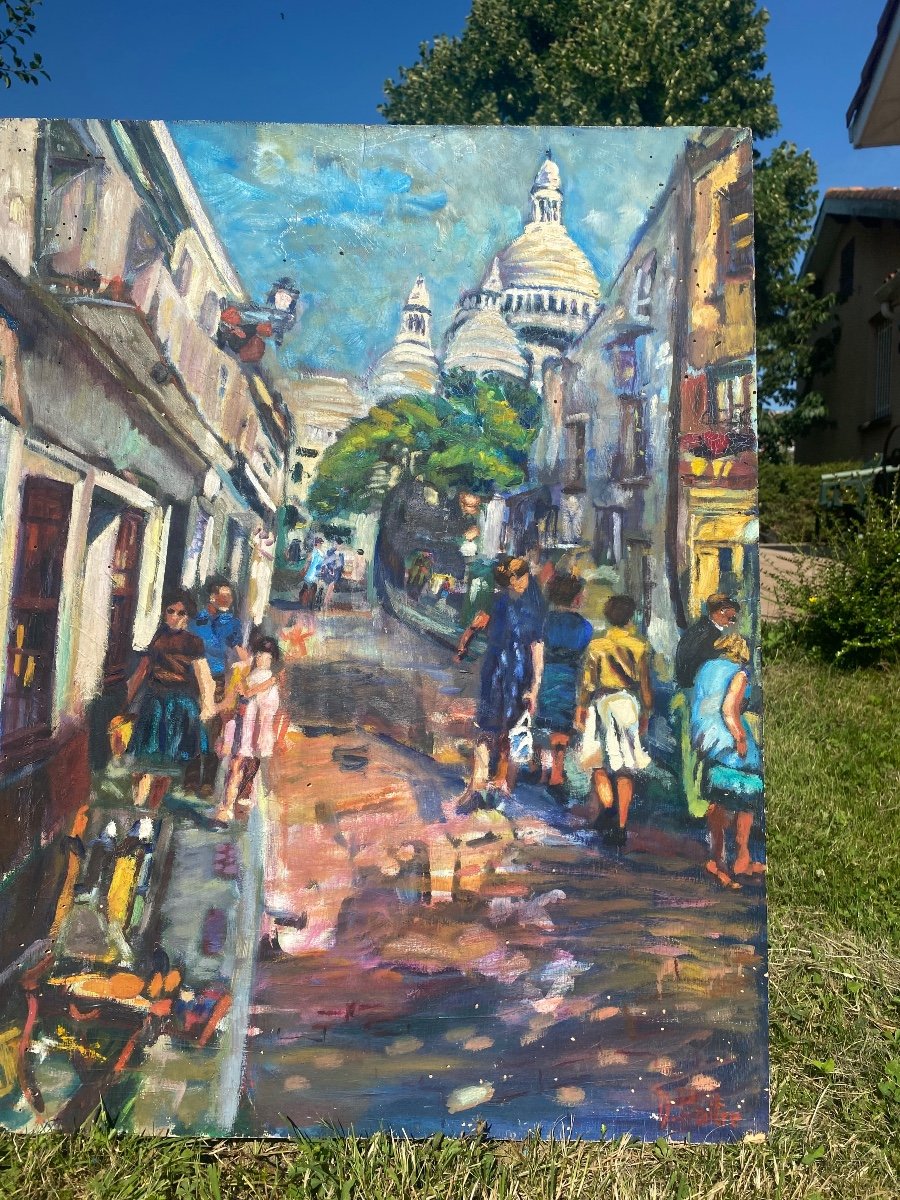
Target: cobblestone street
501, 966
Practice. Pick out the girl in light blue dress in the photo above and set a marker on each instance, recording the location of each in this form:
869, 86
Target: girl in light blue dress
732, 762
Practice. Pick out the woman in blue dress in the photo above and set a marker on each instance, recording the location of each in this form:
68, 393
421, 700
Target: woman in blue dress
510, 676
732, 762
567, 636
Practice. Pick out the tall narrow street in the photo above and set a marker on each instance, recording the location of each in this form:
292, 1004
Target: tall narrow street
500, 966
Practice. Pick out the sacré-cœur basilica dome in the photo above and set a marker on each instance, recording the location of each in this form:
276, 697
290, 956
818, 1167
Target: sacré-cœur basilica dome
540, 294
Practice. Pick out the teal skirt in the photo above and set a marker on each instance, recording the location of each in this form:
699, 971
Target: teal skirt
735, 791
168, 733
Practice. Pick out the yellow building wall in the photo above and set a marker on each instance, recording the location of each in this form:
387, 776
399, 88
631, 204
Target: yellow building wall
721, 309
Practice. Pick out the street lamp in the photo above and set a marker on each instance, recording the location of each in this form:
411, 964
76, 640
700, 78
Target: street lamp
244, 330
282, 305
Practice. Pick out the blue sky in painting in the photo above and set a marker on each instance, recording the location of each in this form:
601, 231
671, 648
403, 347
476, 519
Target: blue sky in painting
354, 214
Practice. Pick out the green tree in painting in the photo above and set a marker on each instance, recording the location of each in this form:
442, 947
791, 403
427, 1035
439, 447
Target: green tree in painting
652, 62
15, 31
475, 434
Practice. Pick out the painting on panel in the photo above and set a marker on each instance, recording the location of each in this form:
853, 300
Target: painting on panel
380, 710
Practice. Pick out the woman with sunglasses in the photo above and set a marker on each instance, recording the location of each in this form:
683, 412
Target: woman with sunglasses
178, 698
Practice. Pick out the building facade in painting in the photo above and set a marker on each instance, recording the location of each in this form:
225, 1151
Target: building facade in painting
321, 406
137, 456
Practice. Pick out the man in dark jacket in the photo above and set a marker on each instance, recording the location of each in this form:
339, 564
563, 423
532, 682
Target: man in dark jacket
697, 644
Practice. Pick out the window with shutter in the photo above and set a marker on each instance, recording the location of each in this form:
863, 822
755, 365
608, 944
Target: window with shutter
27, 704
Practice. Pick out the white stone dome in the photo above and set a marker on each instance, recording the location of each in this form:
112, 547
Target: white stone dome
544, 258
550, 289
410, 366
482, 342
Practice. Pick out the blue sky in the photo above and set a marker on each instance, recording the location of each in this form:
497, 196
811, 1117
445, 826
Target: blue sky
300, 61
304, 60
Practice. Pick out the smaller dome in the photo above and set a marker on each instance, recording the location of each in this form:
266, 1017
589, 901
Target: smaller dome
410, 365
418, 297
548, 176
407, 369
484, 344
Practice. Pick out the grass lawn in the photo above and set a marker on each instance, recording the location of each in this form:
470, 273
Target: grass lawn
834, 853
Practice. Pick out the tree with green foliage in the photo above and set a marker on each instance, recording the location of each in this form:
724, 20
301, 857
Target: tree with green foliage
18, 28
647, 62
475, 434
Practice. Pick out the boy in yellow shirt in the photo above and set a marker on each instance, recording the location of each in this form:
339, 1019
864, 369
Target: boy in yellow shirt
616, 680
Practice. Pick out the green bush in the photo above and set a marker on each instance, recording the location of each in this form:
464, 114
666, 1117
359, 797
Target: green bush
789, 499
844, 607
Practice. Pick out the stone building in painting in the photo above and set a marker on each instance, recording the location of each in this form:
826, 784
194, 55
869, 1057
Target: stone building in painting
620, 389
321, 406
136, 455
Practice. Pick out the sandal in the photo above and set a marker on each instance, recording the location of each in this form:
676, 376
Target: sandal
755, 868
721, 875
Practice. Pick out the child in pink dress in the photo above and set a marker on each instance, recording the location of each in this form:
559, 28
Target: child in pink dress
249, 734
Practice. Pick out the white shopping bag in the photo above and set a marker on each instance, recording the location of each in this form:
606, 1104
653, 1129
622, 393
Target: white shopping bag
521, 741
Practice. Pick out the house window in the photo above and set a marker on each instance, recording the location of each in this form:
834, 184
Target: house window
738, 222
72, 190
848, 259
577, 464
631, 459
883, 344
125, 568
639, 580
607, 548
625, 368
209, 312
646, 276
731, 400
183, 274
34, 609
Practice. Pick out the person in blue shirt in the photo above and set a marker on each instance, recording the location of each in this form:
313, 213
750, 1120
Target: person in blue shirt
223, 638
567, 636
314, 560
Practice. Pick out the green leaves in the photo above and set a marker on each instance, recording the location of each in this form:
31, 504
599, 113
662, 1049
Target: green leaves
593, 62
18, 29
889, 1086
844, 607
825, 1066
476, 434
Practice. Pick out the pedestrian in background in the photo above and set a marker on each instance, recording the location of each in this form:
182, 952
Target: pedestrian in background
567, 636
331, 573
310, 588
